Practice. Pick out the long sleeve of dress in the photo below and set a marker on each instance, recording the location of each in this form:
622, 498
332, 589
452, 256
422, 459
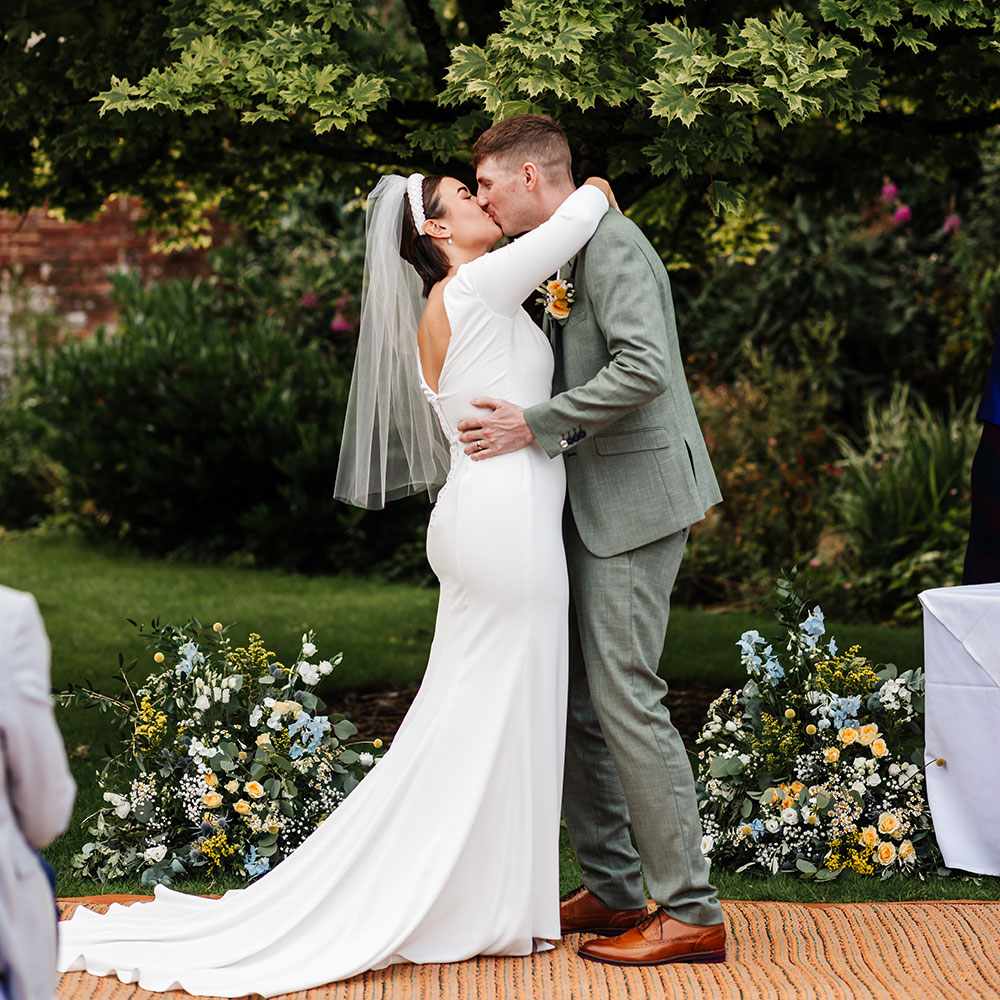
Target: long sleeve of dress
505, 278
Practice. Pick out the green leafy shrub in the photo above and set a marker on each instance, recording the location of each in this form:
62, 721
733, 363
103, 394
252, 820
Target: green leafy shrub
903, 503
772, 455
186, 430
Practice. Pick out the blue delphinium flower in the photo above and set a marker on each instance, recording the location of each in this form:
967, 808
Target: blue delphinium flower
254, 865
748, 642
832, 647
756, 828
812, 628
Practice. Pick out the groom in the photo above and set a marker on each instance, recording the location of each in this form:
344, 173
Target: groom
638, 475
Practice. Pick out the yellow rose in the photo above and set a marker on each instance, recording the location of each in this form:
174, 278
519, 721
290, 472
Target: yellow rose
553, 286
797, 787
211, 779
262, 739
770, 797
878, 748
232, 786
254, 789
886, 853
157, 657
867, 733
787, 803
888, 823
869, 837
559, 308
242, 807
847, 735
907, 853
831, 755
213, 800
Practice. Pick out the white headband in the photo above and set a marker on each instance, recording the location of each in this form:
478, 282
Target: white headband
415, 192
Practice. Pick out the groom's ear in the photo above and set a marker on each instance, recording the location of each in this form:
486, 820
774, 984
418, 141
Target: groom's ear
529, 176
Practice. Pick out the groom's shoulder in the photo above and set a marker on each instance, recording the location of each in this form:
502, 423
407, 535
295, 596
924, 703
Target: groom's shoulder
618, 235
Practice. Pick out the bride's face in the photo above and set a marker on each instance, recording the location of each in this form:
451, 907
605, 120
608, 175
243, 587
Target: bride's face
467, 224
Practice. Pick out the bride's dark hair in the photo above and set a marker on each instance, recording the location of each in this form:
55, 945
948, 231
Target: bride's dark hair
424, 253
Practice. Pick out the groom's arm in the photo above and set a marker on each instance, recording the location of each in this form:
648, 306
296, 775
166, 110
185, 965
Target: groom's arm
634, 318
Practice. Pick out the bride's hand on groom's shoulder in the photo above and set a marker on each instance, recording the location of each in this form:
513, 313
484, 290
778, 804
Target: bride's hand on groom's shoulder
605, 188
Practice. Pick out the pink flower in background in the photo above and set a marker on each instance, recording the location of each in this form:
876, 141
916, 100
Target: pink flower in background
902, 215
953, 223
889, 191
340, 325
308, 300
772, 441
814, 561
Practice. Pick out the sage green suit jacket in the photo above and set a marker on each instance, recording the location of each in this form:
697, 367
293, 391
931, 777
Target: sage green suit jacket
637, 468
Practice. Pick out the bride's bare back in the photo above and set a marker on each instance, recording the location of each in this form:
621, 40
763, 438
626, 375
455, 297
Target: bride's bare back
434, 335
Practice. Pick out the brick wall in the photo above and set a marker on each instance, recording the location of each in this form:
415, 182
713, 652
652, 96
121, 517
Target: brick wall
64, 266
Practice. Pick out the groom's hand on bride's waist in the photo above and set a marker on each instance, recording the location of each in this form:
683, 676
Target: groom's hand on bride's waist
500, 429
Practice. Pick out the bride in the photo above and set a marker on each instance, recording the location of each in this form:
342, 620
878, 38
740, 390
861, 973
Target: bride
450, 847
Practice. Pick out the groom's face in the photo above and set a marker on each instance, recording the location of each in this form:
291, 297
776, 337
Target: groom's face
503, 192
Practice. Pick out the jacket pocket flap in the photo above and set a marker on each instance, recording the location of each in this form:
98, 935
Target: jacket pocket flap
647, 439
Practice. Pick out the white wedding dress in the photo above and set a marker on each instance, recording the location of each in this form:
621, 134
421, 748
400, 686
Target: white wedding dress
449, 848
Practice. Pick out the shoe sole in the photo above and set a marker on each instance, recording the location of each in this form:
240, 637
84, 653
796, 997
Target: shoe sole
705, 957
601, 931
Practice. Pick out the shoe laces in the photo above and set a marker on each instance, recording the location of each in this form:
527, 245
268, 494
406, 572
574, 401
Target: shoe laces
650, 918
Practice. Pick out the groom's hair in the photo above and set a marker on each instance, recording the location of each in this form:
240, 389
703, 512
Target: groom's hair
523, 138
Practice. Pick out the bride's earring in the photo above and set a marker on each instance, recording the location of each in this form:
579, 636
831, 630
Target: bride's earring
450, 241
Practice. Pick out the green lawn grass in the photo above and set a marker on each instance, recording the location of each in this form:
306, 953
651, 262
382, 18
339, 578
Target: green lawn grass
86, 593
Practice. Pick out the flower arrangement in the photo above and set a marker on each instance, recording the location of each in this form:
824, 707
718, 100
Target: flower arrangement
557, 297
228, 765
815, 765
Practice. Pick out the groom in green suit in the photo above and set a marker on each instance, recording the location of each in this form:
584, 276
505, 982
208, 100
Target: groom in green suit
638, 475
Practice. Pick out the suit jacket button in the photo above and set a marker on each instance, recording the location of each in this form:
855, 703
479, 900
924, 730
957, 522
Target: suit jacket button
564, 443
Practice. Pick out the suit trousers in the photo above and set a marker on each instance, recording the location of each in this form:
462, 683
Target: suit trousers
626, 765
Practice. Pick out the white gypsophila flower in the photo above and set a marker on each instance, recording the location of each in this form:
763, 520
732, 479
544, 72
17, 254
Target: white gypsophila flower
366, 759
707, 843
772, 825
202, 703
155, 854
789, 817
308, 649
325, 666
744, 759
255, 716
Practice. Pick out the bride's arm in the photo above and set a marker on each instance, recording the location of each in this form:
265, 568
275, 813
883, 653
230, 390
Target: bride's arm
505, 278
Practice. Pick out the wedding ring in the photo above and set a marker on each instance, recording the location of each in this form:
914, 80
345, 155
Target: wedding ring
480, 443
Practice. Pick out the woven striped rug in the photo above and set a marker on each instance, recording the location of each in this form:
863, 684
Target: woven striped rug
777, 951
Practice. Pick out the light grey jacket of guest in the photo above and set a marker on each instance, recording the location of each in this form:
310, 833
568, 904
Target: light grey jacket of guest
36, 799
637, 468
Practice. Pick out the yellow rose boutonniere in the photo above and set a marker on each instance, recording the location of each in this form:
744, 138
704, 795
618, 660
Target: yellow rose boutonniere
557, 297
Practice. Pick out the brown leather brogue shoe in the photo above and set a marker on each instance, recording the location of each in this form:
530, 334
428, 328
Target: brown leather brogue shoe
581, 910
660, 939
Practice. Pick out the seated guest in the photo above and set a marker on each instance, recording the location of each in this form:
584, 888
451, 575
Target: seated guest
982, 557
36, 799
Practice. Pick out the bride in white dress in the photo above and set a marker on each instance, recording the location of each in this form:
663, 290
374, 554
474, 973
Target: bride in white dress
450, 847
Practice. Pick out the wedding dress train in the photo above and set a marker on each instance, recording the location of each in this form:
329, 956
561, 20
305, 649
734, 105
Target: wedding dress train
449, 848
